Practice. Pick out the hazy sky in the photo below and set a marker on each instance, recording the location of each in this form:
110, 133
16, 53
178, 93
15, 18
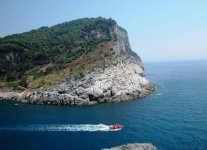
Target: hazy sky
158, 30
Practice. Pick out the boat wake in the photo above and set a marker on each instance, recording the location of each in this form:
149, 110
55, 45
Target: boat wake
59, 127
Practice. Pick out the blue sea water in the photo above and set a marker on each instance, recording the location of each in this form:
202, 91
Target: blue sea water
174, 117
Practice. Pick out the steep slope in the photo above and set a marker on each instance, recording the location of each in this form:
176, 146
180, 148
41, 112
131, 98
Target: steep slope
99, 67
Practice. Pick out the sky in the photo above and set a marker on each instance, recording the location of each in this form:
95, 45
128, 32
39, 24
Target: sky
158, 30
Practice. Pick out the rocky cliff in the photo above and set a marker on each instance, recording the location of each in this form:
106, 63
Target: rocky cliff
109, 72
134, 146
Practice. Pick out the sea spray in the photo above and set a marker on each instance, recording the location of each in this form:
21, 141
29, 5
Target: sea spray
58, 127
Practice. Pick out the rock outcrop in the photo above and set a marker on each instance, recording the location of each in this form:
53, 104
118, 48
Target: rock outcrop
135, 146
117, 76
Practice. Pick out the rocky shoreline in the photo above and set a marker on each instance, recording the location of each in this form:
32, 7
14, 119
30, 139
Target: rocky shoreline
115, 83
134, 146
112, 84
28, 97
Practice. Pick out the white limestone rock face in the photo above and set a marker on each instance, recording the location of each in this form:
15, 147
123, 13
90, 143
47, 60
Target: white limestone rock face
119, 82
134, 146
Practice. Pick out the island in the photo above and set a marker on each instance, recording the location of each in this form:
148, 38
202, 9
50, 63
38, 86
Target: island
80, 62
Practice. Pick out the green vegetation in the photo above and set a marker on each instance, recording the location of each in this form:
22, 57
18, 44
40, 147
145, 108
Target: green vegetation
49, 50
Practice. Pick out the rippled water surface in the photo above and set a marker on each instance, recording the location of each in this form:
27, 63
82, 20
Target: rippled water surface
173, 117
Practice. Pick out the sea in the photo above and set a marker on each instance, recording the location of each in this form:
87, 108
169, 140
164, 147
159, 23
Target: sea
174, 117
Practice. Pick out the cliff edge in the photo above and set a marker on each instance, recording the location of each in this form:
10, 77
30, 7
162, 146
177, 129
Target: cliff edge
98, 66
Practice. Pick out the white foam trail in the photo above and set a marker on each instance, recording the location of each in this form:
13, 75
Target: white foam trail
59, 127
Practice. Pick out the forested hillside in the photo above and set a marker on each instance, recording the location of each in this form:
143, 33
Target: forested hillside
23, 55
